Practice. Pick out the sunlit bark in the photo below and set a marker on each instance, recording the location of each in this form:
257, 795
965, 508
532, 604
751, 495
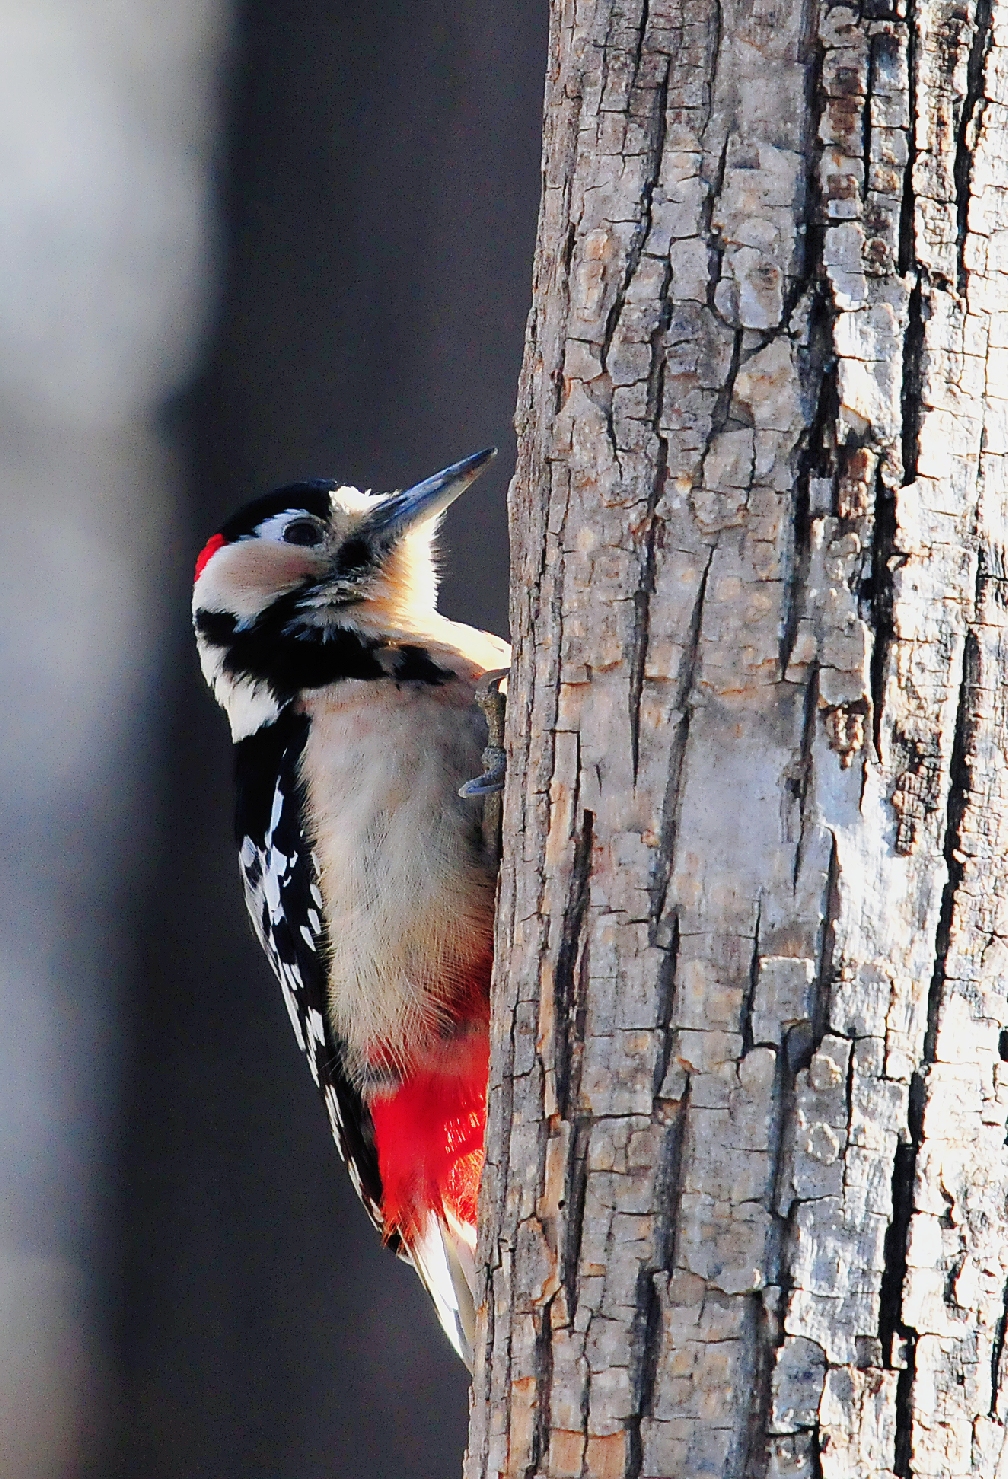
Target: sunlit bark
745, 1203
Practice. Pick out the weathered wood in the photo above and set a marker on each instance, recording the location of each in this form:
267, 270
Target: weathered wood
746, 1202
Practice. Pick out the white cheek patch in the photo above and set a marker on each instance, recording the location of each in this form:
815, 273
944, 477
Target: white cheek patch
248, 704
244, 577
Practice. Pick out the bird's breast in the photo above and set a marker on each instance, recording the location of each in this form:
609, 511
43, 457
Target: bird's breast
406, 885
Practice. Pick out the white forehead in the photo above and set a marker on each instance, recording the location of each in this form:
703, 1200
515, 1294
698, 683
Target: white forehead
347, 500
348, 508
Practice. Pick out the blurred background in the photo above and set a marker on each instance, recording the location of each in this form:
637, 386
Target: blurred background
239, 244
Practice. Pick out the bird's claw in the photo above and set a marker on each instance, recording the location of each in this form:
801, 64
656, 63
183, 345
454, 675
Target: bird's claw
492, 702
492, 779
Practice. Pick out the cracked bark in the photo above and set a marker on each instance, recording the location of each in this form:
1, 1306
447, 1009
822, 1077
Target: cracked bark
745, 1210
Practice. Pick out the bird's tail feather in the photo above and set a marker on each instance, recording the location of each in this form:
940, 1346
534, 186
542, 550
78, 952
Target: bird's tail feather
443, 1251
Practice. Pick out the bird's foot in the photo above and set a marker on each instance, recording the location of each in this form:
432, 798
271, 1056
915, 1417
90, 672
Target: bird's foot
492, 701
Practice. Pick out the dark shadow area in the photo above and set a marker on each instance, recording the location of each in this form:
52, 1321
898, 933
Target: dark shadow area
380, 185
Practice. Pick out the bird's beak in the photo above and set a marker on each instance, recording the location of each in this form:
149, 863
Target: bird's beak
426, 500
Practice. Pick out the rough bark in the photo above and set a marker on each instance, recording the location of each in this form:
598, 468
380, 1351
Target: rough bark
746, 1202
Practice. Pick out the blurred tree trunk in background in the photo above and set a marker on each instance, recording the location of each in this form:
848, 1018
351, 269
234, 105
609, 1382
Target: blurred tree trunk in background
745, 1203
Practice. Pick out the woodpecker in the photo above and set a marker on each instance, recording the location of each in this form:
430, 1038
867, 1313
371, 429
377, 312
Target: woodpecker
366, 874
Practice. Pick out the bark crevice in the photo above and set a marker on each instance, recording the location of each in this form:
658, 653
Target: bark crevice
880, 598
893, 1328
746, 1018
568, 1007
544, 1387
997, 1351
665, 860
970, 113
817, 458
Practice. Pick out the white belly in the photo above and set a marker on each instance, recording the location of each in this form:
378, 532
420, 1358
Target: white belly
407, 888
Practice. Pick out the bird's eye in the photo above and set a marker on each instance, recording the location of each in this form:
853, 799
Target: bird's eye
302, 531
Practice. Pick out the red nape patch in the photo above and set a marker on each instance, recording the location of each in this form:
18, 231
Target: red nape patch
207, 552
429, 1138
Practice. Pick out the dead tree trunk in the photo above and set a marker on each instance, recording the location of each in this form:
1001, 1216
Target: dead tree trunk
746, 1202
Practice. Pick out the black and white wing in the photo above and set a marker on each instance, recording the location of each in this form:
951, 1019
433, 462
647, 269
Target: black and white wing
280, 875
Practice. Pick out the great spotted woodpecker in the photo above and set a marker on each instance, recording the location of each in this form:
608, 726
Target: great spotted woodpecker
367, 877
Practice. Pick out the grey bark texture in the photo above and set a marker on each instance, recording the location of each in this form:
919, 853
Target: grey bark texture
745, 1209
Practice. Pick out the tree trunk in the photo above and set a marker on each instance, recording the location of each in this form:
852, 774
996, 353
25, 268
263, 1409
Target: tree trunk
746, 1202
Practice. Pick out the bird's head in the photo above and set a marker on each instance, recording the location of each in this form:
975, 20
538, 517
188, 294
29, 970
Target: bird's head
308, 584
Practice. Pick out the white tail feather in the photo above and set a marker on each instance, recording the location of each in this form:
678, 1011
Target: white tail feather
444, 1255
